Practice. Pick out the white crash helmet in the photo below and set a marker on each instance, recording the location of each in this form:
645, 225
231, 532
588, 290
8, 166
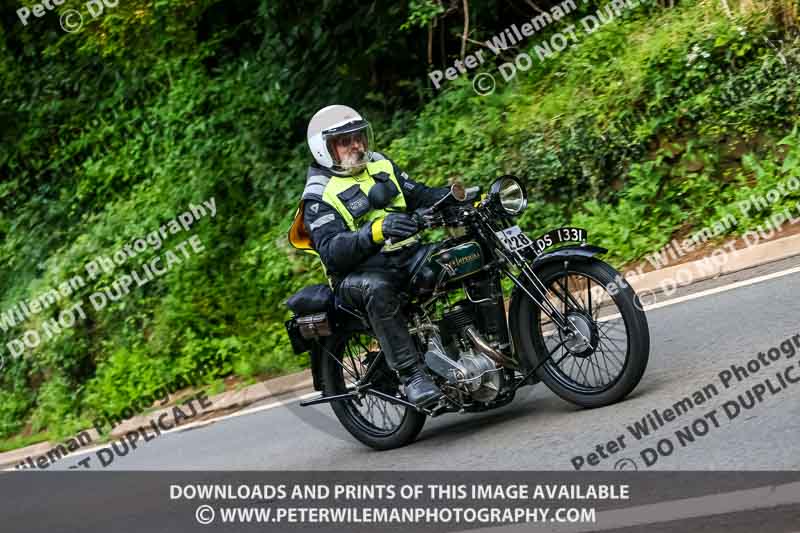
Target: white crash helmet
339, 124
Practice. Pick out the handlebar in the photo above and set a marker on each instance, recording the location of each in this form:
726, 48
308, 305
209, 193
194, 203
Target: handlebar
431, 217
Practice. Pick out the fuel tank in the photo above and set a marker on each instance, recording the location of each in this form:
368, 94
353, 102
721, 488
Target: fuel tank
444, 263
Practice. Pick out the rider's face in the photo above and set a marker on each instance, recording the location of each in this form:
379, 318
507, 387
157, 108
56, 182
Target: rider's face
350, 148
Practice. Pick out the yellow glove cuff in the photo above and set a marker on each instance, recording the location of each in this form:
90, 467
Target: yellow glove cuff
377, 230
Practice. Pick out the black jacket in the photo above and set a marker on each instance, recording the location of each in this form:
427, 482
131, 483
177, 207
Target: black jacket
343, 251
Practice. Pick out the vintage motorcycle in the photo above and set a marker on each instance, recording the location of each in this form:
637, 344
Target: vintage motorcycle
572, 322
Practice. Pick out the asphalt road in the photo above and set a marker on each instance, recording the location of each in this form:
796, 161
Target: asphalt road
692, 342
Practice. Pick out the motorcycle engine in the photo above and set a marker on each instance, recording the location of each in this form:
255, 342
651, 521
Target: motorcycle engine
454, 356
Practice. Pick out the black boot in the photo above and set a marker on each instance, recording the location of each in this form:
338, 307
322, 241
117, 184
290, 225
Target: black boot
420, 390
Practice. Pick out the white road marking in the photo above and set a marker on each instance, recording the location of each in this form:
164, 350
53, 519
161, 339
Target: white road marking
724, 288
701, 294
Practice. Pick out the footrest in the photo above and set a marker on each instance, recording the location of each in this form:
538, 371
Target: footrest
330, 398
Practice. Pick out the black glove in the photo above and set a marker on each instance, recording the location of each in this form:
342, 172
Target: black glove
399, 226
394, 226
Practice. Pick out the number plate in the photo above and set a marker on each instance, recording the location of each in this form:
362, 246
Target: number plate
513, 239
557, 236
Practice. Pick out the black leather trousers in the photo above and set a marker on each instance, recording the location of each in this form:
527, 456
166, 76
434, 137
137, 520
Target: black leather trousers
381, 295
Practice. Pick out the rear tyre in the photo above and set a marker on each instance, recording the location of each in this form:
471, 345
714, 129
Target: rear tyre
379, 424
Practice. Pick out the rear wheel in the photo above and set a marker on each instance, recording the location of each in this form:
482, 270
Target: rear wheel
376, 422
606, 360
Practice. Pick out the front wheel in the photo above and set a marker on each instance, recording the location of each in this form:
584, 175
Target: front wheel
605, 361
378, 423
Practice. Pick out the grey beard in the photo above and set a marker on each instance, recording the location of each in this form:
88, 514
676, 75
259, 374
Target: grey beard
353, 160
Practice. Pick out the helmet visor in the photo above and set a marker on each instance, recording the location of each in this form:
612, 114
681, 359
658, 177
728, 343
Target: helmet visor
350, 145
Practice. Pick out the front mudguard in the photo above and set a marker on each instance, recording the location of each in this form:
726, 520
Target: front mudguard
579, 252
573, 252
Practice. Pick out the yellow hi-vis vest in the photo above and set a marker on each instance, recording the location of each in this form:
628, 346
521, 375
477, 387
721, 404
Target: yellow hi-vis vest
328, 188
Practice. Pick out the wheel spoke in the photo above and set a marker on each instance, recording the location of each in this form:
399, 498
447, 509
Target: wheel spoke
621, 364
582, 371
567, 295
572, 368
614, 337
612, 342
608, 327
353, 365
341, 365
398, 411
614, 362
599, 369
370, 402
605, 363
603, 366
595, 370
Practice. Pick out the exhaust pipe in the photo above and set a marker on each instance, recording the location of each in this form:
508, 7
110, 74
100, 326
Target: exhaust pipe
482, 346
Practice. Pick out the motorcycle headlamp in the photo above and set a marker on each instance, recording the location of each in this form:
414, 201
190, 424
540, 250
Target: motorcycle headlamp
509, 195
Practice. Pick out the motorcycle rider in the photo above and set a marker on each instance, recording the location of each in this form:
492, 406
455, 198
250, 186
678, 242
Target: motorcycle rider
355, 211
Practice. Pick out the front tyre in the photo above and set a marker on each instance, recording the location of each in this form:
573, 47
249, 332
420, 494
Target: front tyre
606, 361
375, 422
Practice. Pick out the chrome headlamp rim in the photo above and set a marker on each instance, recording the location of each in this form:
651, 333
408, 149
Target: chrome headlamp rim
509, 195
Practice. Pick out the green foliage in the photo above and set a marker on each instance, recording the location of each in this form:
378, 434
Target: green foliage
56, 407
14, 406
421, 13
124, 377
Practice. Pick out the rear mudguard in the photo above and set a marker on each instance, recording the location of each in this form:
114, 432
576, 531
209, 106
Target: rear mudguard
575, 252
315, 356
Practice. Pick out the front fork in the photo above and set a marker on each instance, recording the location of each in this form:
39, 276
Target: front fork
534, 285
529, 283
567, 329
